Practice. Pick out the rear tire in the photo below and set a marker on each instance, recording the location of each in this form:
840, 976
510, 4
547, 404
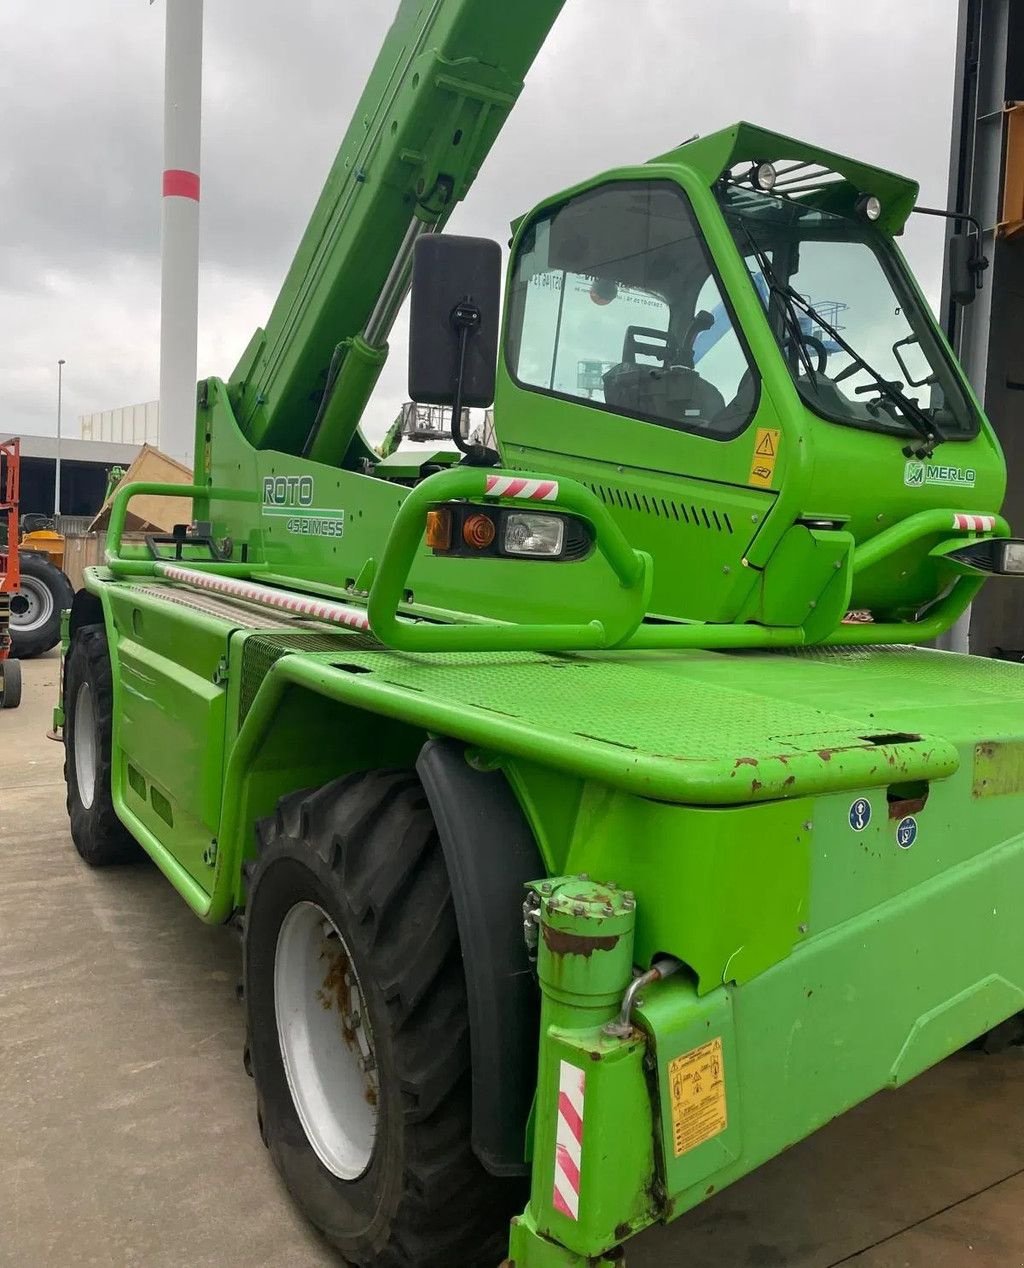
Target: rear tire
35, 609
358, 864
10, 684
99, 835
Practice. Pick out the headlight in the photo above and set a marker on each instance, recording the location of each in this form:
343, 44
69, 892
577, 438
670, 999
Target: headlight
536, 536
998, 556
1013, 558
468, 531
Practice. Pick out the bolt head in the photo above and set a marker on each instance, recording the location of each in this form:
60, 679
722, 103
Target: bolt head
545, 887
578, 909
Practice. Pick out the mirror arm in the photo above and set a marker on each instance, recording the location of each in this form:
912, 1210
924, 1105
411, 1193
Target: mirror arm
979, 263
466, 319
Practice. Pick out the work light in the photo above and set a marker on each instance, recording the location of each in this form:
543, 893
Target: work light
869, 207
763, 176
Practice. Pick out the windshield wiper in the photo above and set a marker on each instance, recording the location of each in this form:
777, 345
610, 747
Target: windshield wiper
914, 414
780, 292
792, 299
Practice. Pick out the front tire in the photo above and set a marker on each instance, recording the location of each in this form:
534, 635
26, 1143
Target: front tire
99, 835
358, 1032
35, 609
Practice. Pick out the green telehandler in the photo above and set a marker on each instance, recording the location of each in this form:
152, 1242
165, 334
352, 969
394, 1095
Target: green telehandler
596, 819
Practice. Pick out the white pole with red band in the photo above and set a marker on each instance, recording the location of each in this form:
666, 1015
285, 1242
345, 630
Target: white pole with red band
179, 251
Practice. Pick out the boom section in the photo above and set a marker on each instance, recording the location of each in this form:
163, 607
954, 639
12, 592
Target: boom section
447, 77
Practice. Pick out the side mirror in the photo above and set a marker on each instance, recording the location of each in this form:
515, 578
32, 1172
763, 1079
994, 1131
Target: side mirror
966, 265
453, 333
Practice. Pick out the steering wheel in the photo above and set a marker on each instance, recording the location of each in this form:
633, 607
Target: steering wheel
814, 344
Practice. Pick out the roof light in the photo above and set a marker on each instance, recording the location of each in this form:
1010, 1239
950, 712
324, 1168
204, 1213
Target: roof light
763, 176
869, 206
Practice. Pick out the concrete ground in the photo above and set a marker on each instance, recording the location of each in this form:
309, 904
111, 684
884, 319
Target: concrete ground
128, 1135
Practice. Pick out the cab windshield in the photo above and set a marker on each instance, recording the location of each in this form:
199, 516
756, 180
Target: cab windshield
846, 317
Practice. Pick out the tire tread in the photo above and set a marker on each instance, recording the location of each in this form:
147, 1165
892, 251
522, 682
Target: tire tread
376, 834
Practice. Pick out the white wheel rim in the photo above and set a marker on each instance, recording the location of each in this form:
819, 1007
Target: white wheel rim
326, 1041
85, 745
38, 607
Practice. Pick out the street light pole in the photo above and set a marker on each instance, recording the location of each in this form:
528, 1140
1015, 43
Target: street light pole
56, 471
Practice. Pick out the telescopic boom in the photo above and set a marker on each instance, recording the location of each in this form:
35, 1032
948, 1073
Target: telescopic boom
447, 77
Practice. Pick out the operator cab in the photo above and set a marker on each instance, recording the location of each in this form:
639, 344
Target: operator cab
726, 345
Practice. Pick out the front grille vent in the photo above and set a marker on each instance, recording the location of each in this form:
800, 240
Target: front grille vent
688, 513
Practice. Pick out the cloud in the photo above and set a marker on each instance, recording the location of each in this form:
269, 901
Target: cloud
616, 83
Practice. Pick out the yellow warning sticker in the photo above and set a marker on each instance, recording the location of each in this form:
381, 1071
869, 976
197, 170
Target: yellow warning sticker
697, 1086
766, 451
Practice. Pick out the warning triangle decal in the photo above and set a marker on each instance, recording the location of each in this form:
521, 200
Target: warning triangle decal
765, 446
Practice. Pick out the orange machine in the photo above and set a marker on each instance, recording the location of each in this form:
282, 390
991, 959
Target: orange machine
10, 575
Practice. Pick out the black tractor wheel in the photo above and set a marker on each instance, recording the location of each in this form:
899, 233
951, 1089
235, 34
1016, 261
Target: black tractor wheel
35, 609
99, 835
358, 1034
10, 684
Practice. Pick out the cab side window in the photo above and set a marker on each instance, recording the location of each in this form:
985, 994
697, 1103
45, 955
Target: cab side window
614, 302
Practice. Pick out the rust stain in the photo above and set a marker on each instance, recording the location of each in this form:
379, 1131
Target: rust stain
755, 784
825, 754
559, 943
746, 761
906, 806
333, 993
998, 768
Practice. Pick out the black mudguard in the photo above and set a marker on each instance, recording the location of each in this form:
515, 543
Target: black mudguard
490, 853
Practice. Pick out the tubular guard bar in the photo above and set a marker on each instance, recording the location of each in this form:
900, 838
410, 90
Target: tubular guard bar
631, 567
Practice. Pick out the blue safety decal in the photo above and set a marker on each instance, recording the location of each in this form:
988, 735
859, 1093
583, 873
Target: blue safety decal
860, 814
906, 832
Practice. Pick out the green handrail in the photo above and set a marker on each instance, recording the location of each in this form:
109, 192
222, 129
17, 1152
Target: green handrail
147, 567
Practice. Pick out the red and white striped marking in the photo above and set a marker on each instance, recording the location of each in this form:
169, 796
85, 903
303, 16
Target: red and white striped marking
267, 596
181, 184
513, 487
569, 1140
975, 523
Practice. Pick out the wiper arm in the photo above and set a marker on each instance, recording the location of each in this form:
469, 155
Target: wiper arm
915, 415
792, 299
782, 294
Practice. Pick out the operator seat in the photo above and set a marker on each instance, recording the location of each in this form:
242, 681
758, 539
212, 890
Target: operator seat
670, 390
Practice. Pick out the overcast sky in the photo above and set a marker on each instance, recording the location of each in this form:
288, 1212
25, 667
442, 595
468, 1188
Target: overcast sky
617, 82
